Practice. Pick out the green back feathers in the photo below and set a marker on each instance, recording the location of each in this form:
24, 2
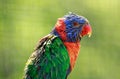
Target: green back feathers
49, 61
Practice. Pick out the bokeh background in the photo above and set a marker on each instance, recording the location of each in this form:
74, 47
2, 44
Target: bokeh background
24, 22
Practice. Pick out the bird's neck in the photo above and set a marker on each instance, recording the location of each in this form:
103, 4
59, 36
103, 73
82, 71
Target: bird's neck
72, 47
73, 51
59, 29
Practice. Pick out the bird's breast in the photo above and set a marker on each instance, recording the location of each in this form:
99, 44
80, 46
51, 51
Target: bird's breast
73, 51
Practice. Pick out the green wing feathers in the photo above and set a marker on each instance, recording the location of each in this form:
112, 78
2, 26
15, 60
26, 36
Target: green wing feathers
50, 60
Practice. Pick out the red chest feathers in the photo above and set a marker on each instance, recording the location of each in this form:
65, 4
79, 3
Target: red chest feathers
73, 51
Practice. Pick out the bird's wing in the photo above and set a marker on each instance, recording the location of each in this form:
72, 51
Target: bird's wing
50, 60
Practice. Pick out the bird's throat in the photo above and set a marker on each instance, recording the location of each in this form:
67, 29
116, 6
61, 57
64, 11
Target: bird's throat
73, 51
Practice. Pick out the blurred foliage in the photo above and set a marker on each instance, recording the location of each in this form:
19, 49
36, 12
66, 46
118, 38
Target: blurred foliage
24, 22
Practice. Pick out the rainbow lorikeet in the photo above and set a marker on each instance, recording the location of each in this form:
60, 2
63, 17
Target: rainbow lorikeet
56, 53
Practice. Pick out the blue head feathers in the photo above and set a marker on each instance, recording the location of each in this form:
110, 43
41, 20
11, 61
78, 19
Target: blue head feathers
74, 24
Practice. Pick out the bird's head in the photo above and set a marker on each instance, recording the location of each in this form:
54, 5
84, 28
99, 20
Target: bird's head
72, 27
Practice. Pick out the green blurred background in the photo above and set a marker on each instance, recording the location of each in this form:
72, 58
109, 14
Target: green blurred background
24, 22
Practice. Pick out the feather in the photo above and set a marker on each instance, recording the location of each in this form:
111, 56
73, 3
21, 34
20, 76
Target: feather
50, 60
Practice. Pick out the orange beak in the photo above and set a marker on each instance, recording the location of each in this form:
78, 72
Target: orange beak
86, 30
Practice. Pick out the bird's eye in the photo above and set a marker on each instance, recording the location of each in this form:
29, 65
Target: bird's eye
76, 24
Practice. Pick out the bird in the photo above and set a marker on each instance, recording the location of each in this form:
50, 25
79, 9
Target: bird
55, 55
